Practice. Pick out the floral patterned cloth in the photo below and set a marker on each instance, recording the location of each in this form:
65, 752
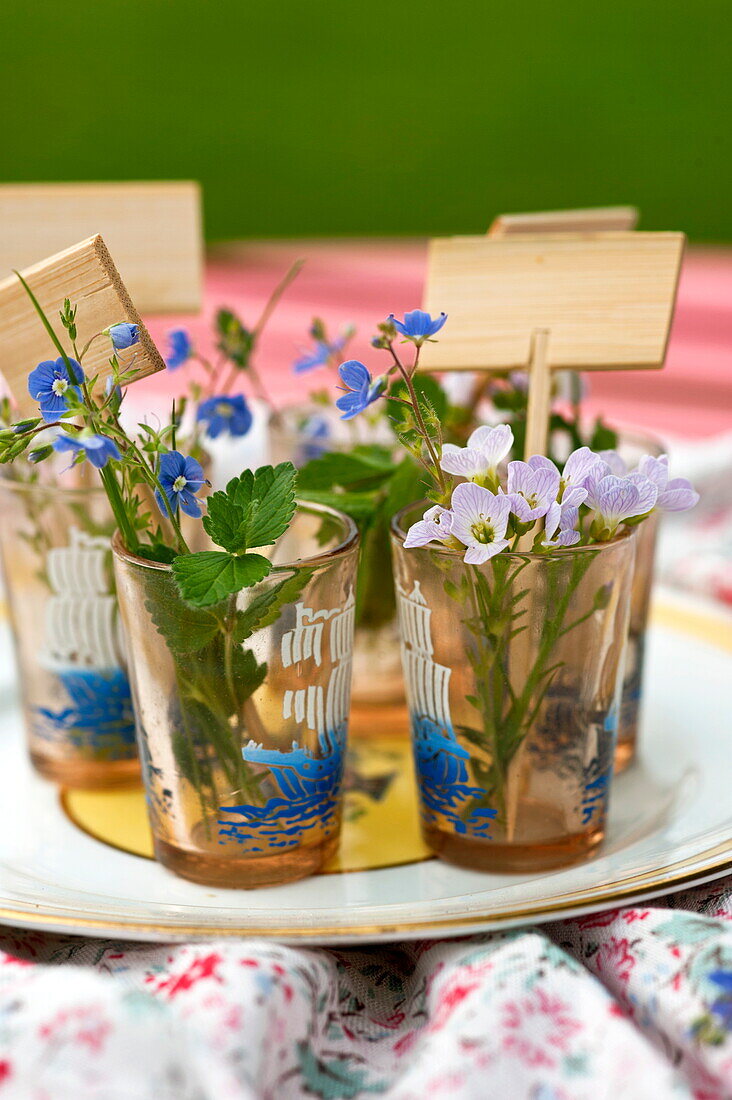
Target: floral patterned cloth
634, 1002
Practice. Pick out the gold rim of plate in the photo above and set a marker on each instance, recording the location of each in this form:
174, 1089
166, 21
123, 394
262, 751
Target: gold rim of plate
709, 864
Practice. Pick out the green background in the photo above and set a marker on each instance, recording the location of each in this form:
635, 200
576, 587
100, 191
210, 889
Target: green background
307, 117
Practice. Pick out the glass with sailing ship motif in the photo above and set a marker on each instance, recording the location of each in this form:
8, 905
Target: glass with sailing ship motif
242, 708
514, 674
69, 646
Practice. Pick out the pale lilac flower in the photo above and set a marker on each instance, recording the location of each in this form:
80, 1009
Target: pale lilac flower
479, 521
560, 525
434, 526
616, 464
673, 496
648, 491
487, 447
583, 468
616, 499
532, 487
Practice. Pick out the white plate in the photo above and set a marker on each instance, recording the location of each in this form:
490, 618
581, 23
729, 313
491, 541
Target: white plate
670, 826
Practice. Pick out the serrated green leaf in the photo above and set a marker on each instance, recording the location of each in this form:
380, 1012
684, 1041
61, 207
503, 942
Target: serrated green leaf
265, 608
209, 576
185, 629
226, 522
273, 491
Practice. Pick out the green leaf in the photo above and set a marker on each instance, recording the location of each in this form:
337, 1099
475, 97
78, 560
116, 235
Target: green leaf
265, 608
158, 551
361, 468
209, 576
271, 493
226, 522
235, 341
359, 506
247, 674
186, 630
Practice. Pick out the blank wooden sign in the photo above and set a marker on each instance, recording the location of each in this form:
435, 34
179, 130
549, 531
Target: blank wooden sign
153, 230
87, 276
595, 219
606, 299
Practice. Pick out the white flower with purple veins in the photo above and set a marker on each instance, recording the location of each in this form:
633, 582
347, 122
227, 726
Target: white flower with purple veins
673, 496
560, 525
616, 464
479, 521
487, 447
583, 468
616, 499
434, 526
532, 487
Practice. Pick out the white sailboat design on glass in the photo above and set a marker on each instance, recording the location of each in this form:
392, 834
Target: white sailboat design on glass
84, 648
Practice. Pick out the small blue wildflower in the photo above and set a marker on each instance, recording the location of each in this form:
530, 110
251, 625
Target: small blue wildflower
309, 360
123, 335
181, 348
49, 383
230, 415
418, 326
181, 478
97, 448
362, 391
315, 433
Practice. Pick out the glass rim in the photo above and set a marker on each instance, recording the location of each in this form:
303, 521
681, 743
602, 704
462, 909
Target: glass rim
397, 532
347, 543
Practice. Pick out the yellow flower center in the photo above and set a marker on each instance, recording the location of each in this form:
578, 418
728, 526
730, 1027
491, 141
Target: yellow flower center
483, 532
59, 386
224, 410
179, 483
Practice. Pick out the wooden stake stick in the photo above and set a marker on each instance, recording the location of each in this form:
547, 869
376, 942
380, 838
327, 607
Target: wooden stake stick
540, 393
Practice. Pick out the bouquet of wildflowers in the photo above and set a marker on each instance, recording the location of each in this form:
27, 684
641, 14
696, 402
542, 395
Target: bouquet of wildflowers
203, 625
498, 516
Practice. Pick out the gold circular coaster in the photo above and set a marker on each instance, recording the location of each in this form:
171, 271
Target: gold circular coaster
380, 816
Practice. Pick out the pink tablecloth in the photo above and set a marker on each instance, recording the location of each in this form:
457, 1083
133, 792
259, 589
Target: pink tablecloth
363, 282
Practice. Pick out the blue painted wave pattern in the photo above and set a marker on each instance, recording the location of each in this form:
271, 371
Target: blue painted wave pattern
99, 718
444, 785
309, 797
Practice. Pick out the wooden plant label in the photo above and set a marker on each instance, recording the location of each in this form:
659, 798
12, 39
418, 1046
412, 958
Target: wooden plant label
599, 301
595, 219
153, 229
85, 274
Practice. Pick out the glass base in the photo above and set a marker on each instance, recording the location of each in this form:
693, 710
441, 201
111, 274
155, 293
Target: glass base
624, 753
245, 872
495, 856
87, 774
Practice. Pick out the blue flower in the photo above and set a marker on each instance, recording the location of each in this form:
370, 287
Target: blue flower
123, 335
181, 478
97, 448
362, 391
49, 383
180, 348
309, 360
230, 415
418, 326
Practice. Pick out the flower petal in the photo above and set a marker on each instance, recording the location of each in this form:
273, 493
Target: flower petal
354, 375
494, 442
